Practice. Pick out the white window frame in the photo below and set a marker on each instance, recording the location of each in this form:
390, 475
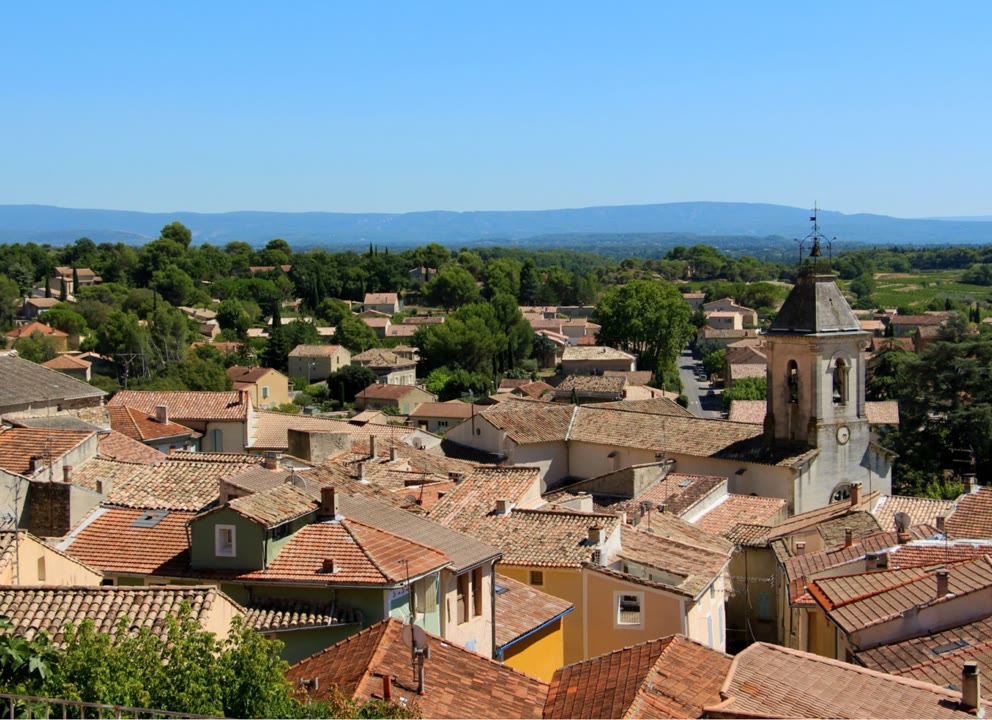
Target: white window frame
222, 548
617, 599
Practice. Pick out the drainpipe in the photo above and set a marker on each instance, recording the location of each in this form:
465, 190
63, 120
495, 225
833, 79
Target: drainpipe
492, 597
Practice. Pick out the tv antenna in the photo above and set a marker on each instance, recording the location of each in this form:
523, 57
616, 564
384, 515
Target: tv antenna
415, 638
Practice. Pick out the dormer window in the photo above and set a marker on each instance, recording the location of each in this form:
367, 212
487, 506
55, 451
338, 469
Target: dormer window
840, 382
792, 381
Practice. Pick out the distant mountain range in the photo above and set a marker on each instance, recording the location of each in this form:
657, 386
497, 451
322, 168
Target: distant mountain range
57, 226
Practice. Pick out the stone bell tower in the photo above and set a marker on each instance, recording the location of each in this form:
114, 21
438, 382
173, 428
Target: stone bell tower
816, 386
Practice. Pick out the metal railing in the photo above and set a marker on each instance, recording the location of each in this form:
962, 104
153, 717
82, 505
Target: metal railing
29, 706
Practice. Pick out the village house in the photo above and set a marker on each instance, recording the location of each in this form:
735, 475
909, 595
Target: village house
380, 325
273, 431
595, 360
437, 417
725, 305
59, 339
316, 362
721, 320
153, 429
268, 388
67, 276
387, 303
401, 398
724, 337
70, 365
34, 307
225, 420
529, 633
389, 368
26, 560
695, 299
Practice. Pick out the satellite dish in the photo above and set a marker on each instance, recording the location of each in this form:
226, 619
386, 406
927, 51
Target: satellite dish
414, 636
903, 521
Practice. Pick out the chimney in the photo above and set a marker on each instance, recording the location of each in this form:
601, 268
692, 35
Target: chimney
503, 506
800, 548
243, 397
848, 537
328, 566
971, 686
903, 537
596, 534
968, 479
855, 494
883, 561
943, 578
162, 414
329, 502
871, 561
387, 687
393, 453
271, 461
361, 472
36, 463
456, 476
372, 447
67, 473
940, 523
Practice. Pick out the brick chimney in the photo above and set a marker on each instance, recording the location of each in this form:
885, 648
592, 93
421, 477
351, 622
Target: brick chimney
36, 463
855, 494
243, 397
162, 414
67, 473
940, 523
800, 548
968, 479
903, 537
271, 461
596, 534
848, 537
387, 687
971, 686
943, 583
329, 502
372, 448
393, 457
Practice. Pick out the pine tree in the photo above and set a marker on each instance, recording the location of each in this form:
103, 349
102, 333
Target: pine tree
75, 280
48, 286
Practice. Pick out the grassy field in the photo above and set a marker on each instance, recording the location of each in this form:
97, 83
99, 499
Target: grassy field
917, 289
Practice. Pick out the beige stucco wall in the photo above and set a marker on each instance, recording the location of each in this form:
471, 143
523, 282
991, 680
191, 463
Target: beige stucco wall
551, 457
596, 366
953, 612
218, 620
278, 390
38, 564
479, 627
479, 433
232, 437
661, 614
706, 612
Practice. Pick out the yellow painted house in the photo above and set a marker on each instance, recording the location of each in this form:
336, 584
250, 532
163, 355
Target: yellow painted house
529, 633
26, 560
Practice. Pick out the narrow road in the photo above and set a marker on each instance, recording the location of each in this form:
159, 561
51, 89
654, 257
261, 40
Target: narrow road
701, 404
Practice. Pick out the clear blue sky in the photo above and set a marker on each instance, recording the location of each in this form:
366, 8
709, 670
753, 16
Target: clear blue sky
400, 106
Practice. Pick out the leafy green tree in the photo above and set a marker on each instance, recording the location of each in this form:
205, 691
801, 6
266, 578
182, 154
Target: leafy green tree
174, 285
470, 338
355, 335
25, 665
713, 363
66, 320
649, 319
751, 388
299, 332
347, 382
530, 283
518, 332
452, 287
37, 348
10, 301
177, 232
332, 310
231, 315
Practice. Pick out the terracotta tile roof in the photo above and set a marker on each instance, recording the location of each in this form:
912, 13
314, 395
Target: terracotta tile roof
535, 389
404, 331
855, 602
34, 610
920, 510
860, 523
771, 681
739, 372
738, 509
22, 382
117, 446
185, 405
812, 518
508, 384
455, 409
272, 429
634, 377
423, 320
882, 413
274, 506
249, 375
19, 445
946, 670
748, 411
179, 455
746, 535
746, 355
377, 322
682, 434
267, 615
314, 350
460, 683
917, 320
35, 327
169, 484
473, 499
972, 516
593, 352
672, 677
362, 555
142, 426
526, 423
591, 384
66, 362
521, 609
380, 298
381, 391
379, 359
896, 658
688, 566
937, 552
679, 492
109, 540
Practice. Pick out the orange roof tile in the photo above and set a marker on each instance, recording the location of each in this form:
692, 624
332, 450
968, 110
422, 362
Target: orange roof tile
882, 413
381, 391
247, 375
66, 362
521, 609
274, 506
143, 426
313, 350
672, 677
737, 509
35, 327
117, 446
896, 658
19, 445
771, 681
920, 510
185, 405
459, 684
689, 559
267, 615
972, 516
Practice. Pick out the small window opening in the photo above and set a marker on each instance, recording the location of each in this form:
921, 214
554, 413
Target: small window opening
792, 380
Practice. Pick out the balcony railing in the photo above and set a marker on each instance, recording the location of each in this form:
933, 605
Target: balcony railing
29, 706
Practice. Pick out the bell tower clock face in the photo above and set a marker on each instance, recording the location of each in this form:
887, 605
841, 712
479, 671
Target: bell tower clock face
843, 434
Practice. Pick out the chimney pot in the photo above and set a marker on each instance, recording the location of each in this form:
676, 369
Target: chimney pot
67, 473
968, 479
372, 448
848, 537
162, 414
800, 548
387, 687
883, 561
971, 686
329, 502
361, 472
596, 534
943, 583
855, 494
393, 453
271, 461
